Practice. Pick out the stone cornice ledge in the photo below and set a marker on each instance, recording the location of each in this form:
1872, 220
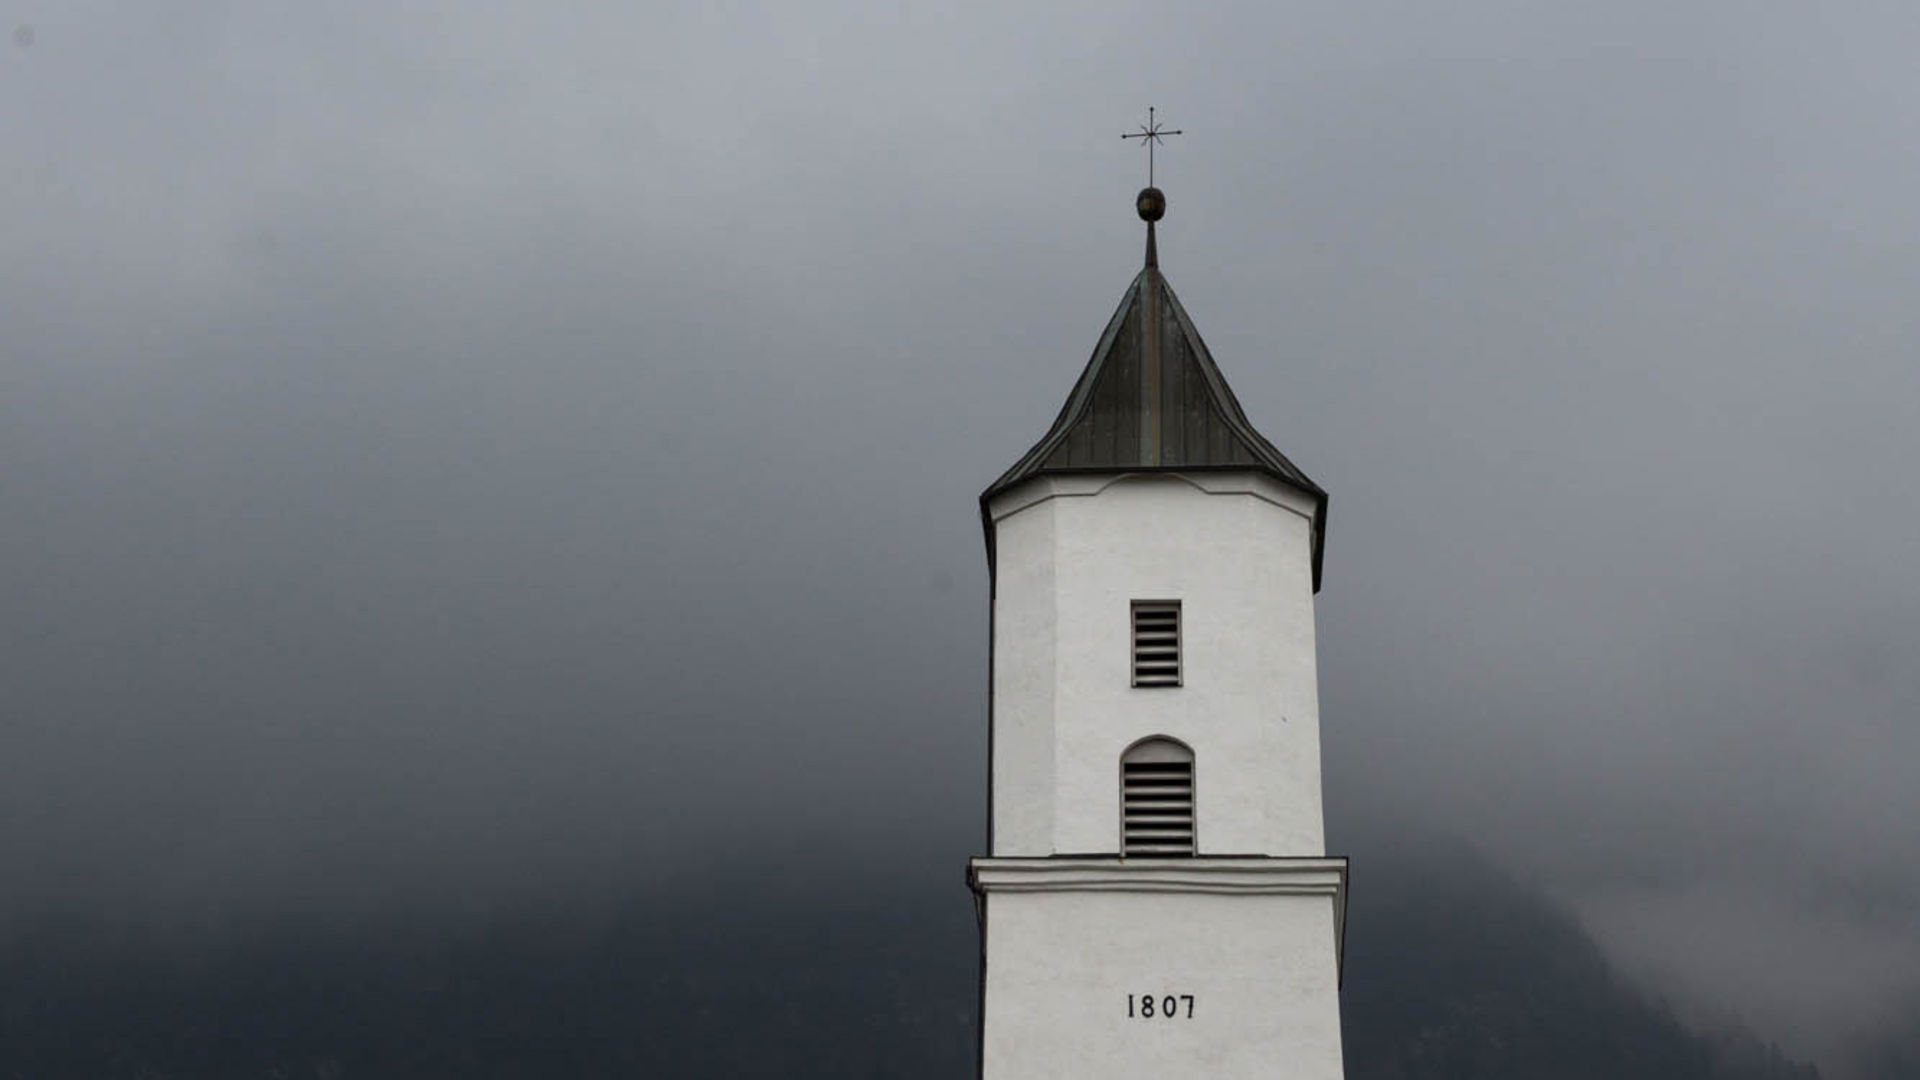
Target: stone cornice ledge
1246, 876
1233, 876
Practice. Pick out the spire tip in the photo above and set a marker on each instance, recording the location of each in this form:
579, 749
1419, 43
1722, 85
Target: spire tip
1151, 204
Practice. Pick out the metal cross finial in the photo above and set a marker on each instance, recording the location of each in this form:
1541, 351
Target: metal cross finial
1150, 135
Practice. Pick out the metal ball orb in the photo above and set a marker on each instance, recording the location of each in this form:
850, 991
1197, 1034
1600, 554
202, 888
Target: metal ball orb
1151, 204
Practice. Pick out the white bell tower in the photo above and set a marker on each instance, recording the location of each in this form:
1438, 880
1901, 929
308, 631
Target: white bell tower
1158, 902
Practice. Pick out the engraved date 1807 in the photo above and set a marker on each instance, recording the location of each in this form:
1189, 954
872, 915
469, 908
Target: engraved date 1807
1165, 1006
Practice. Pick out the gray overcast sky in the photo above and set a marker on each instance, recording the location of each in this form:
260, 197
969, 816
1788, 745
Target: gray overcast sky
517, 448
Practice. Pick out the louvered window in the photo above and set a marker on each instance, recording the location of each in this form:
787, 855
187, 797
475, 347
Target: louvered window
1156, 799
1156, 643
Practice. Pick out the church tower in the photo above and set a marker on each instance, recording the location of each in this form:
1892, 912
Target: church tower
1157, 901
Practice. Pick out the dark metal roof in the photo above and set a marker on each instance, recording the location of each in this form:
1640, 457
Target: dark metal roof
1152, 399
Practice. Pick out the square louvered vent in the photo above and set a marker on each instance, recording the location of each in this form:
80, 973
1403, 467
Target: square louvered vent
1157, 808
1156, 643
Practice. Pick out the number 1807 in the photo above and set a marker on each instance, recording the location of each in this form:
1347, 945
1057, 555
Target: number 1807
1166, 1006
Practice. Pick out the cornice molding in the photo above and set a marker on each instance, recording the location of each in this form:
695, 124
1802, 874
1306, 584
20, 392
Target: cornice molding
1249, 876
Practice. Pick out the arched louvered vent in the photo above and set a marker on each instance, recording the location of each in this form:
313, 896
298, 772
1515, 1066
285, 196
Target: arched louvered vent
1156, 799
1156, 643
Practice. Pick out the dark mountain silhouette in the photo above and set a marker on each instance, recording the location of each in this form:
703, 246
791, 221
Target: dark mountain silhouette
1452, 971
1456, 971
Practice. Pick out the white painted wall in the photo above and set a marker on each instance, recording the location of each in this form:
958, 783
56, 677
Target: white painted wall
1262, 969
1072, 553
1023, 680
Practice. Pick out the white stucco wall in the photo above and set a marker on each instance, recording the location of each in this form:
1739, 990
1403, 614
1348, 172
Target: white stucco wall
1060, 967
1072, 553
1024, 626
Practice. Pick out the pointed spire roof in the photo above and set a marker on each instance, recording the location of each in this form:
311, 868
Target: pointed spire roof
1151, 399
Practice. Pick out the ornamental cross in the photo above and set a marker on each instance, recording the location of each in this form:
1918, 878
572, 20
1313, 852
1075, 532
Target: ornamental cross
1150, 134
